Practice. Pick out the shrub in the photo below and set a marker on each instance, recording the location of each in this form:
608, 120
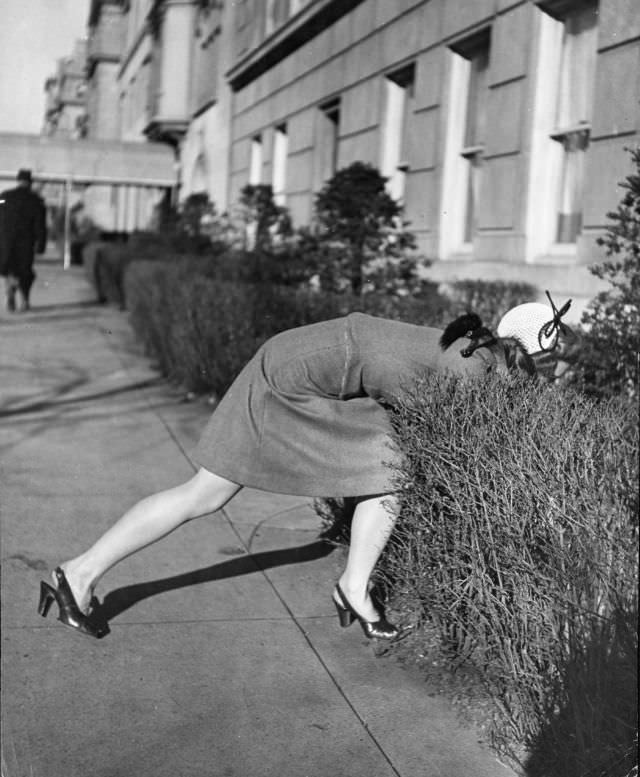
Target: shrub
281, 265
111, 262
489, 299
194, 227
91, 262
608, 363
359, 235
518, 544
107, 263
265, 222
202, 330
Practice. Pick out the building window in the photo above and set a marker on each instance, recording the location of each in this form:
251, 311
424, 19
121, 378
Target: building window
465, 142
560, 125
276, 14
328, 141
574, 106
255, 162
279, 177
475, 130
270, 20
399, 106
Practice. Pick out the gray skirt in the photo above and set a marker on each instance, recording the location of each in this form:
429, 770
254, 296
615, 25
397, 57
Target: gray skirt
297, 420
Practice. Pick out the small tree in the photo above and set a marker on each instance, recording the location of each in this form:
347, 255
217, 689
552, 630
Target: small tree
265, 221
609, 363
196, 216
358, 222
187, 227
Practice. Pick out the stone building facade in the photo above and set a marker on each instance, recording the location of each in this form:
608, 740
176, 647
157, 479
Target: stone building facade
104, 49
66, 96
501, 125
121, 60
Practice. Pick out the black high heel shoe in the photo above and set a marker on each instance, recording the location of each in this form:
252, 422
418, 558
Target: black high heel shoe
381, 629
92, 624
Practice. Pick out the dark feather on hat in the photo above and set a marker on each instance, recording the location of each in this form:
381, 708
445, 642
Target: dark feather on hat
463, 326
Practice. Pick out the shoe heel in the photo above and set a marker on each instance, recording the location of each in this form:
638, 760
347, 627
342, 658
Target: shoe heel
47, 597
346, 618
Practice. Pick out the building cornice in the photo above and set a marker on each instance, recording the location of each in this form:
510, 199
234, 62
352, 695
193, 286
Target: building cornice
315, 17
169, 131
96, 8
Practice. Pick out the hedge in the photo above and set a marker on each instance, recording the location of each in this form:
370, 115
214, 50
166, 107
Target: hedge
201, 329
518, 545
106, 263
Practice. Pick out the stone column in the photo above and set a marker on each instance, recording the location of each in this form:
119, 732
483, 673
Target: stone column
175, 68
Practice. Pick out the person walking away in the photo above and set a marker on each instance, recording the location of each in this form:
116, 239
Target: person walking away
23, 233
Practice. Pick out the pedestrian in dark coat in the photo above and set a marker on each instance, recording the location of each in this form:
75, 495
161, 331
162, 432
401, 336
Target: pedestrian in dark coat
23, 233
308, 415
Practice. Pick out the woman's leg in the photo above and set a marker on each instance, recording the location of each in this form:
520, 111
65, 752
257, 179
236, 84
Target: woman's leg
372, 524
147, 521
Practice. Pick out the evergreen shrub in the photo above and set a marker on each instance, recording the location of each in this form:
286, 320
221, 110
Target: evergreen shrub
608, 361
518, 545
202, 330
106, 262
489, 299
358, 239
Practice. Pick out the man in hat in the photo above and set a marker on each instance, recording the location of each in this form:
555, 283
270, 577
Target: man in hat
23, 233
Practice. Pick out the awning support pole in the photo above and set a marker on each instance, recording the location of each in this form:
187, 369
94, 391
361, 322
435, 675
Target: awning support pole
66, 261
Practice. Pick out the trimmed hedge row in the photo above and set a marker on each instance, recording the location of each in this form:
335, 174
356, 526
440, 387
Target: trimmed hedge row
106, 263
202, 330
518, 544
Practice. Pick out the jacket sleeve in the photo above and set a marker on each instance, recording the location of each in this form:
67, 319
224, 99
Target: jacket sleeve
40, 226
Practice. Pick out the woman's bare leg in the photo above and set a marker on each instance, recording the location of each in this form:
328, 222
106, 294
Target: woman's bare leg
146, 522
372, 524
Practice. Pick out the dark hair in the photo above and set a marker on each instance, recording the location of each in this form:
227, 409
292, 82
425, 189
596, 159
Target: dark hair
471, 327
515, 356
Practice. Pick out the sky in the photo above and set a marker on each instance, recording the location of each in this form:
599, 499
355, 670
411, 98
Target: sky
34, 34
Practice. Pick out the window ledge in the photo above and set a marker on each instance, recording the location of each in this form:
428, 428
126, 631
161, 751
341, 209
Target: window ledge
563, 250
470, 151
561, 132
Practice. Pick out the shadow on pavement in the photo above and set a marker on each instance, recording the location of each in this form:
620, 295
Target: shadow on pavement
51, 404
52, 316
121, 599
81, 304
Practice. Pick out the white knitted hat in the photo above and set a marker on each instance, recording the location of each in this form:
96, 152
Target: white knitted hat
525, 323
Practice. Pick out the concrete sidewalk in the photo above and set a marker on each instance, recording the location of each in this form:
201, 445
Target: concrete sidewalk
225, 658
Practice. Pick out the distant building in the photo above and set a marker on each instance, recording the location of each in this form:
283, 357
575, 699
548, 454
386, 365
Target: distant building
120, 94
105, 47
204, 150
66, 96
156, 73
